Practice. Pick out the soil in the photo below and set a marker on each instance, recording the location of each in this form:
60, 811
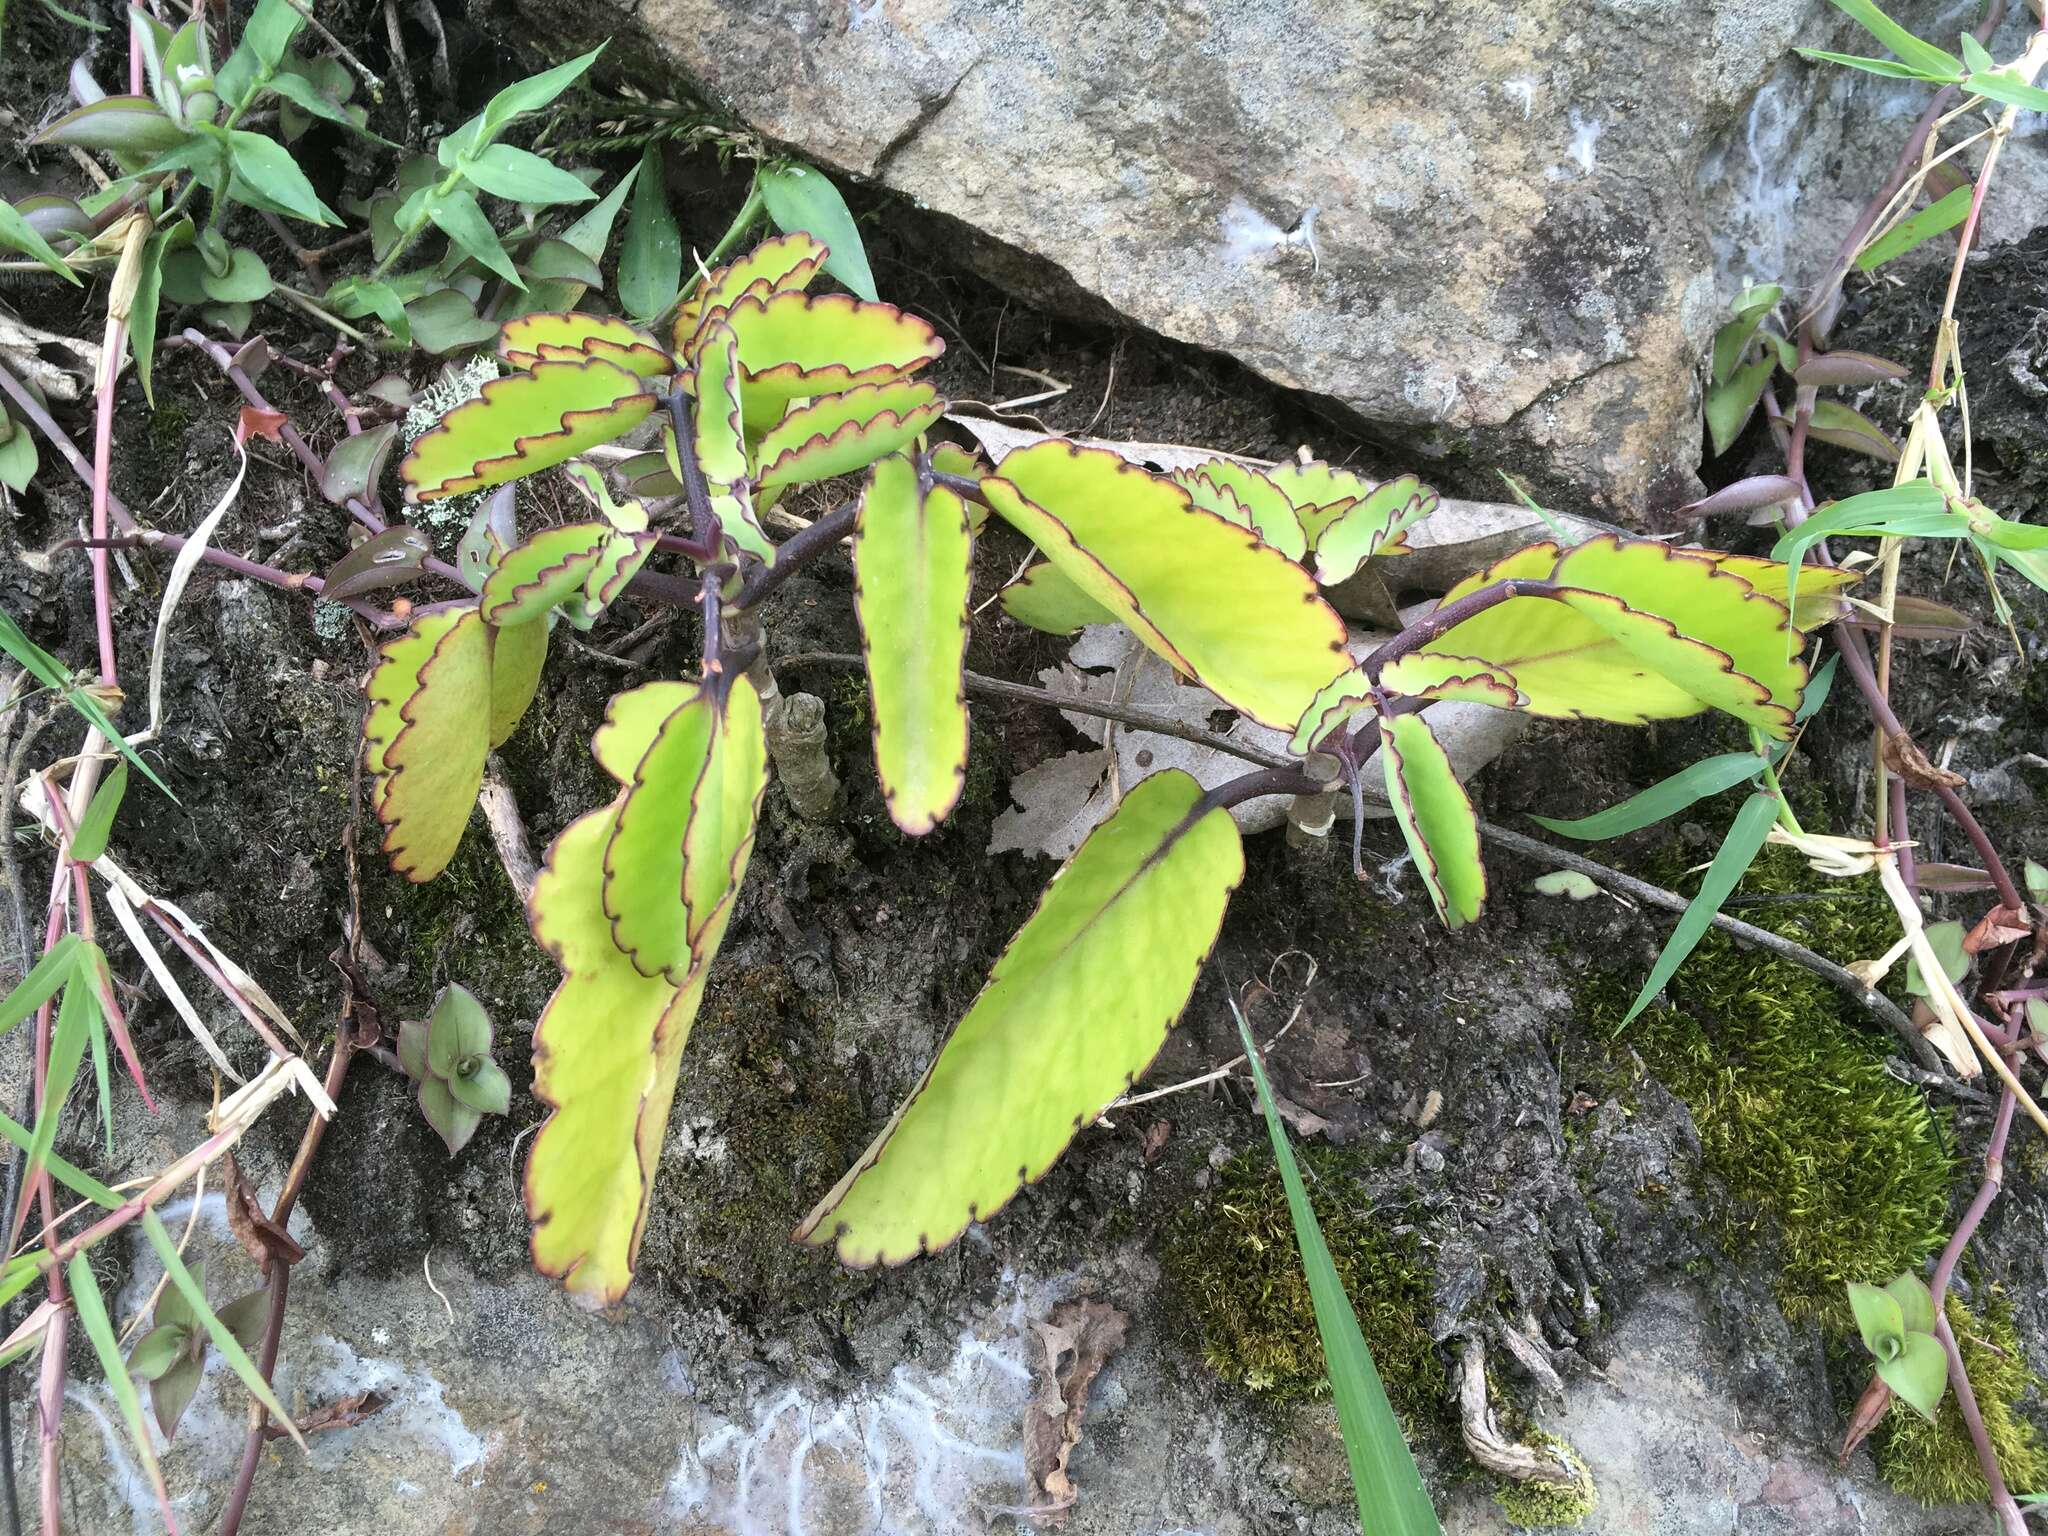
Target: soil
853, 948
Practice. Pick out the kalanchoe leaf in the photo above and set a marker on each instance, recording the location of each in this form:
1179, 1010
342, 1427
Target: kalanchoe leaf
458, 1030
1435, 816
841, 433
485, 1088
624, 555
913, 560
1243, 495
545, 336
720, 444
1436, 675
519, 652
1376, 524
525, 423
1180, 578
543, 571
783, 265
686, 829
1064, 1025
1917, 1373
454, 1121
426, 735
1046, 598
795, 345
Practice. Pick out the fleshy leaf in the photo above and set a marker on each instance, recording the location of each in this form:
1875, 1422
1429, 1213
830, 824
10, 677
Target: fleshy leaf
525, 423
913, 565
624, 554
685, 829
1435, 675
785, 264
484, 1088
1345, 695
1916, 1302
1066, 1022
540, 573
1046, 598
552, 337
1820, 587
1436, 818
357, 463
721, 446
1707, 630
1240, 494
518, 653
793, 345
840, 433
393, 682
434, 765
1844, 427
1319, 492
1918, 1373
1378, 524
1180, 578
454, 1120
459, 1028
1879, 1319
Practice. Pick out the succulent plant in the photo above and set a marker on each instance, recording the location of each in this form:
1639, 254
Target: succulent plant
449, 1055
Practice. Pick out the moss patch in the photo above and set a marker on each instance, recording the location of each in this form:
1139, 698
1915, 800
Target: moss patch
1234, 1274
1935, 1462
1548, 1505
1829, 1162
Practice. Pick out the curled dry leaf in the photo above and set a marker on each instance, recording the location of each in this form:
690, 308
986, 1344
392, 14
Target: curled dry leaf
1870, 1410
342, 1413
1076, 1341
262, 1239
1905, 758
1999, 926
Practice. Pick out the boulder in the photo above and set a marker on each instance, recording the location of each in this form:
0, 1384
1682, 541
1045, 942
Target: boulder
1482, 230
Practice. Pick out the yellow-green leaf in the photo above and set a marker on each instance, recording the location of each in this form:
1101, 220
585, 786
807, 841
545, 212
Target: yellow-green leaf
1210, 598
1046, 598
553, 337
913, 563
1376, 524
1820, 601
624, 554
435, 764
685, 829
1244, 496
1436, 675
795, 345
518, 652
721, 449
1073, 1012
840, 433
524, 423
785, 264
392, 683
1435, 816
1319, 492
550, 566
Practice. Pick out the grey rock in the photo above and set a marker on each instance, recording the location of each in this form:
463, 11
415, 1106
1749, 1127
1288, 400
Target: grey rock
1483, 229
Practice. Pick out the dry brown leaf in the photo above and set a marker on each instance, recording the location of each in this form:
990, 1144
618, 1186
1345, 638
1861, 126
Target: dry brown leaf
1077, 1340
1871, 1408
1999, 926
1156, 1138
1916, 767
342, 1413
263, 1239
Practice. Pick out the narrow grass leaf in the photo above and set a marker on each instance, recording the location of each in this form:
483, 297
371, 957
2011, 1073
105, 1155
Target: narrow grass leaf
41, 983
223, 1340
1391, 1498
92, 1312
90, 840
70, 1176
1738, 850
1688, 786
46, 669
1936, 218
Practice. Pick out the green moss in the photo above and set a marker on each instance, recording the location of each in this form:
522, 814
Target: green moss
1550, 1504
1935, 1462
1830, 1164
1235, 1276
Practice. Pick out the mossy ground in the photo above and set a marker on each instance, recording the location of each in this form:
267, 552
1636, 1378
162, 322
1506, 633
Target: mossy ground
1546, 1505
1234, 1274
1935, 1462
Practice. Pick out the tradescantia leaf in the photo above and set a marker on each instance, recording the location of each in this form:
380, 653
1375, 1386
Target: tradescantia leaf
525, 423
1046, 598
1837, 424
132, 125
542, 572
1918, 1373
1436, 817
548, 336
1377, 524
1240, 494
793, 345
1702, 627
1732, 340
1729, 404
426, 736
357, 463
1664, 799
913, 565
1916, 1302
1180, 578
518, 653
783, 265
685, 829
609, 1088
844, 432
801, 198
1073, 1012
19, 234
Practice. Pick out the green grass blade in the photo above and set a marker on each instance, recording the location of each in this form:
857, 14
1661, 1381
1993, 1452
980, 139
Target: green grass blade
67, 1174
230, 1348
1936, 218
1709, 776
67, 1050
92, 1312
1935, 63
1391, 1498
98, 1033
90, 841
20, 1274
46, 669
1753, 824
57, 966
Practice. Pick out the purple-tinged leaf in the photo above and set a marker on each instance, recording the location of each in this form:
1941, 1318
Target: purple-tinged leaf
1836, 368
357, 464
127, 124
1743, 496
387, 559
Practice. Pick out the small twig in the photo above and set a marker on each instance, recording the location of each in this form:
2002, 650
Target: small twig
508, 831
402, 68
